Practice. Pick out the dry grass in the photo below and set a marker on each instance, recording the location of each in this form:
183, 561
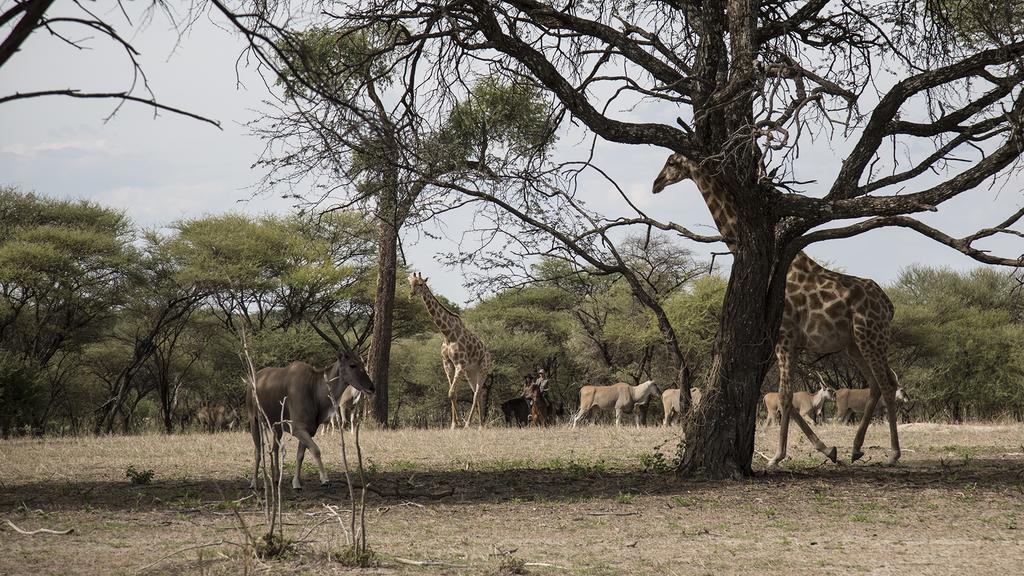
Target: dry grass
579, 501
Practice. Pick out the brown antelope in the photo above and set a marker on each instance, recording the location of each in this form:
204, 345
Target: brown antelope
806, 404
619, 397
851, 402
670, 403
302, 398
348, 410
215, 417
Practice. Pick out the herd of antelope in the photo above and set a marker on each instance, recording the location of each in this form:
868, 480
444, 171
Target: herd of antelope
302, 398
308, 399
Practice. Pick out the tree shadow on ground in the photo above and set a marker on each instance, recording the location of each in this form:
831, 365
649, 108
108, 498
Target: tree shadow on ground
455, 487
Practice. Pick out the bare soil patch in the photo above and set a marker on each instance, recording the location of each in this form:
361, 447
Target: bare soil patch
557, 501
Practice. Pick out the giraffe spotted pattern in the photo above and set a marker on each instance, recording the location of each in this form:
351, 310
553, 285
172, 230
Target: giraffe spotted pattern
824, 312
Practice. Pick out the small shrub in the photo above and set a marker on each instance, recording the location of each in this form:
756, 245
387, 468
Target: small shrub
577, 470
683, 502
353, 557
510, 565
271, 546
138, 476
187, 500
655, 462
624, 497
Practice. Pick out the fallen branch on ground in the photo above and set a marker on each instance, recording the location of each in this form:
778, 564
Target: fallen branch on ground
398, 494
38, 531
428, 563
613, 513
546, 565
176, 552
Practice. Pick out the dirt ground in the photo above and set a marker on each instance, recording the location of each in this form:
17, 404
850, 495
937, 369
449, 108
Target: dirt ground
504, 501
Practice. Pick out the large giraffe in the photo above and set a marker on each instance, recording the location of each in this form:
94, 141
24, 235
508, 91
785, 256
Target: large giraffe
825, 312
462, 352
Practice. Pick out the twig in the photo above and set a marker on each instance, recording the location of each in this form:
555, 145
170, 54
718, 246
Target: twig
397, 494
176, 552
38, 531
613, 513
428, 563
546, 565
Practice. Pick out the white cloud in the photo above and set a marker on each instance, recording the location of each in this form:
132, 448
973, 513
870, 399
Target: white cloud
98, 145
162, 204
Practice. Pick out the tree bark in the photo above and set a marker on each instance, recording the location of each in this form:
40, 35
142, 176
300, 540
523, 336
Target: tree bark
384, 302
719, 437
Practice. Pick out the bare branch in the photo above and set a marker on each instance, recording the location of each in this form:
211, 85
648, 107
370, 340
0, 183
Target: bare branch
123, 96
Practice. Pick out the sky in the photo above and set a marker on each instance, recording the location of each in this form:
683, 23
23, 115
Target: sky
160, 169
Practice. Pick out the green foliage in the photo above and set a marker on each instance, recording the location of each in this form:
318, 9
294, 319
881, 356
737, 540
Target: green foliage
138, 477
655, 462
64, 267
284, 256
497, 119
978, 23
961, 338
695, 313
82, 292
525, 330
21, 393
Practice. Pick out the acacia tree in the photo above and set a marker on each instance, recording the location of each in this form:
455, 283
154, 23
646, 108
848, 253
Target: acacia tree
338, 126
908, 88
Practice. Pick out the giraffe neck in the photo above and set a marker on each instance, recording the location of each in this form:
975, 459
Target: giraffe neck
724, 215
446, 321
721, 209
803, 263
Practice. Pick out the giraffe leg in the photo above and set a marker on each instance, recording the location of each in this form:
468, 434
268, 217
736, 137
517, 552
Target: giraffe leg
780, 454
449, 370
894, 439
453, 395
865, 420
482, 382
872, 341
809, 432
473, 379
869, 410
782, 354
787, 410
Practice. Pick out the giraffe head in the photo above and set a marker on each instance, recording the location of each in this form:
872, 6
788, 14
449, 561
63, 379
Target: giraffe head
677, 168
417, 285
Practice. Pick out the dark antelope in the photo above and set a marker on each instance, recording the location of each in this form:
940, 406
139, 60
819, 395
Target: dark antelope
309, 396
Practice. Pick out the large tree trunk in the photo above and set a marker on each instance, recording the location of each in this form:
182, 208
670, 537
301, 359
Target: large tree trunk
384, 303
719, 438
